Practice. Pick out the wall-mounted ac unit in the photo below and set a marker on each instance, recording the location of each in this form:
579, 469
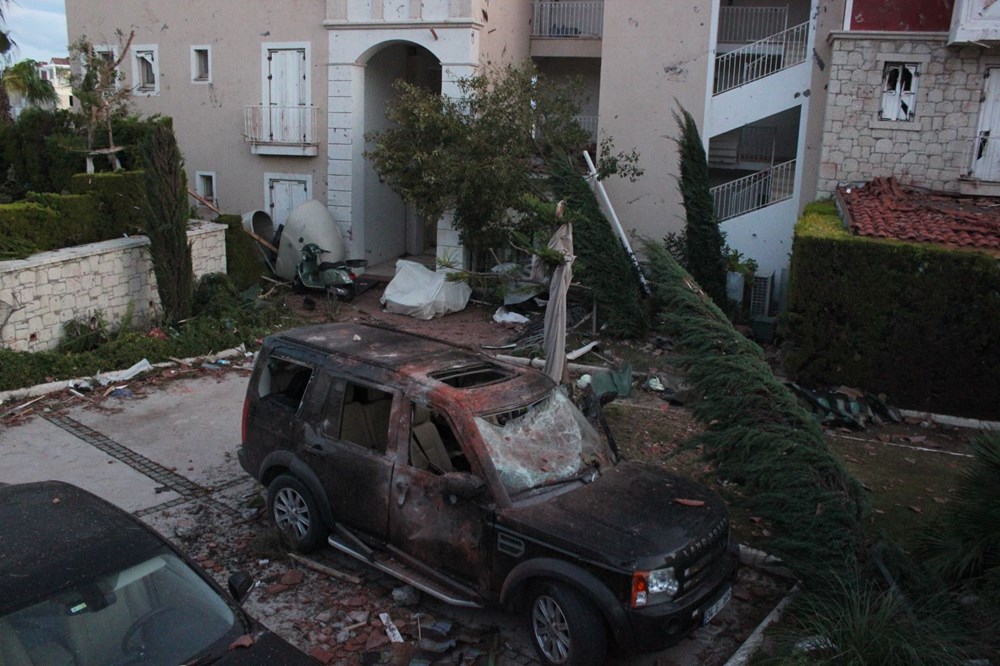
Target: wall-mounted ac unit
761, 294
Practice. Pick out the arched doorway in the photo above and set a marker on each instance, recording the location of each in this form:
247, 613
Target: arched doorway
392, 228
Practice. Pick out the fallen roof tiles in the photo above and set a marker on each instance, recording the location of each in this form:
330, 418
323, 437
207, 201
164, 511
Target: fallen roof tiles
883, 208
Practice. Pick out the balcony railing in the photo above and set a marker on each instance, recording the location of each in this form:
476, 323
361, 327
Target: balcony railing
568, 19
589, 124
743, 25
282, 130
756, 191
762, 58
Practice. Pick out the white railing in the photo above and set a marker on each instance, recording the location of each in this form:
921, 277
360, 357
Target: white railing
757, 144
762, 58
568, 19
742, 25
756, 191
589, 125
281, 125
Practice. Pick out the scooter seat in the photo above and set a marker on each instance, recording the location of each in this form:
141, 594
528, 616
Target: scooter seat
332, 265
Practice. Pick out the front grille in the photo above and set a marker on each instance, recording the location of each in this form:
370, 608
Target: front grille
705, 554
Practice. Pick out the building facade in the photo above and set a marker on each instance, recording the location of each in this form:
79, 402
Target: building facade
272, 101
915, 93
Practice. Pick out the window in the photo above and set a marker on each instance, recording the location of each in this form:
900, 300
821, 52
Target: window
899, 91
146, 70
205, 185
365, 416
201, 64
284, 383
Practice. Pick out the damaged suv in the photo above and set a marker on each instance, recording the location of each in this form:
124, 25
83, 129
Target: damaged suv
480, 482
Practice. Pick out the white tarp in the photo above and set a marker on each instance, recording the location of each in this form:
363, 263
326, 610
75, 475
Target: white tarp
419, 292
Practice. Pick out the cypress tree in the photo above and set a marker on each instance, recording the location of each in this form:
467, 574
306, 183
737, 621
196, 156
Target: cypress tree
166, 218
704, 238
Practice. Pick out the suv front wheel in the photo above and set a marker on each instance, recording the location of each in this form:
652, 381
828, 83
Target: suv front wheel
565, 628
294, 512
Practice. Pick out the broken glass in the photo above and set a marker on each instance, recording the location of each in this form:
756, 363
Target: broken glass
542, 444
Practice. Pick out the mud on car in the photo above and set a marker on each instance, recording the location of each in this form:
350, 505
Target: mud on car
479, 483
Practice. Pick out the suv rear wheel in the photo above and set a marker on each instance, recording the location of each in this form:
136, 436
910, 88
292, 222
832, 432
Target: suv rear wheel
565, 628
295, 513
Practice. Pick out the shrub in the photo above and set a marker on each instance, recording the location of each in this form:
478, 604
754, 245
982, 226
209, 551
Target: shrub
916, 322
243, 259
79, 216
121, 199
31, 227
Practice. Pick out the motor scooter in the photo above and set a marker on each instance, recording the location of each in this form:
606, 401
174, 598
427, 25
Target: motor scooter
336, 278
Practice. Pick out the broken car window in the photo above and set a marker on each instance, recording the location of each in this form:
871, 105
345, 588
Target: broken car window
365, 419
284, 382
542, 444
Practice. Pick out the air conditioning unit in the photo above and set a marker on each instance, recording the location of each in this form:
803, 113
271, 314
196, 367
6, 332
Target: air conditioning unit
760, 295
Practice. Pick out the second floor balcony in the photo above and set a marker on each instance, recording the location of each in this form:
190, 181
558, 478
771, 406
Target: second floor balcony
561, 19
282, 130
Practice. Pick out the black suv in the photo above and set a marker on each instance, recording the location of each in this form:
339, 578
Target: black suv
480, 482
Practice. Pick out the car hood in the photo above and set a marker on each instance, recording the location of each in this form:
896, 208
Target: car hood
267, 648
634, 516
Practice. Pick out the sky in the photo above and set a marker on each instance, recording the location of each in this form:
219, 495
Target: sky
38, 27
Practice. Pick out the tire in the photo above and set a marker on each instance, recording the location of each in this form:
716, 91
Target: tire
565, 628
294, 511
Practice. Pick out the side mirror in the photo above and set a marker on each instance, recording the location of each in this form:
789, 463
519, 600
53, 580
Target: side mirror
463, 484
240, 584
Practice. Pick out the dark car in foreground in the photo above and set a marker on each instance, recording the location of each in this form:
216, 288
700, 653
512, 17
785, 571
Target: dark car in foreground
480, 482
84, 583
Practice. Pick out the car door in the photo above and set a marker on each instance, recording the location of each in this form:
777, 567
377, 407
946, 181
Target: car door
428, 520
282, 385
345, 444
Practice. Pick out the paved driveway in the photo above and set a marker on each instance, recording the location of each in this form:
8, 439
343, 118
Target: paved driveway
168, 455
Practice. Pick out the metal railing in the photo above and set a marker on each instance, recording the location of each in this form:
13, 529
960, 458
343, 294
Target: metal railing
588, 124
742, 25
762, 58
568, 19
753, 192
757, 144
281, 125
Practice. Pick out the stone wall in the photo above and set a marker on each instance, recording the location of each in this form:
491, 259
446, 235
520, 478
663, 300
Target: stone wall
933, 150
49, 289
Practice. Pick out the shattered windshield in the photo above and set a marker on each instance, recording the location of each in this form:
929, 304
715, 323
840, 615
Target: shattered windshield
543, 444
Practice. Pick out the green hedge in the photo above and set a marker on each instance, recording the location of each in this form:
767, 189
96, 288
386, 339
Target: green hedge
243, 260
121, 197
918, 322
79, 216
30, 227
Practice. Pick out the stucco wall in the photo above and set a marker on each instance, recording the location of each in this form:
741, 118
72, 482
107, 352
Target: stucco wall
930, 151
49, 289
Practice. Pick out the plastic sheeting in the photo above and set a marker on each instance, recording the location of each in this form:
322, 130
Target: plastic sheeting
552, 442
419, 292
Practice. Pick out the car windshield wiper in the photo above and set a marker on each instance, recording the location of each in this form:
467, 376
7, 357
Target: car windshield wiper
586, 477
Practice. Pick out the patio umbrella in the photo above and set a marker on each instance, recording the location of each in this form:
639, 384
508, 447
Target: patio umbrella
555, 311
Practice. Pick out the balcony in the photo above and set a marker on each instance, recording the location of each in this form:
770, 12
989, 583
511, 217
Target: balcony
567, 29
282, 130
761, 58
756, 191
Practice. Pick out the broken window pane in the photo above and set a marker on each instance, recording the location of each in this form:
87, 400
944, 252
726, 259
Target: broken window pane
543, 444
899, 91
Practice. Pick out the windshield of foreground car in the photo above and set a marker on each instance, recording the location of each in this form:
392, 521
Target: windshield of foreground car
157, 612
543, 444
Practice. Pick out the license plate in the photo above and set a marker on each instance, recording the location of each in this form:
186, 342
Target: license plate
717, 606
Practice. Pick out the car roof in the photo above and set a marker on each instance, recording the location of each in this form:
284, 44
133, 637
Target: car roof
462, 373
54, 536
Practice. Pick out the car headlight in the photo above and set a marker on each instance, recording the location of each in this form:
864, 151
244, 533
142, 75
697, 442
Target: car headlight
650, 587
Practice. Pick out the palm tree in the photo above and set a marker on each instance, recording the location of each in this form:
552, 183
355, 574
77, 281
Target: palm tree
22, 78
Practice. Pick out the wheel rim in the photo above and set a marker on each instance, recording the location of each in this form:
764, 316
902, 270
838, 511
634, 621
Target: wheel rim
551, 630
291, 514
